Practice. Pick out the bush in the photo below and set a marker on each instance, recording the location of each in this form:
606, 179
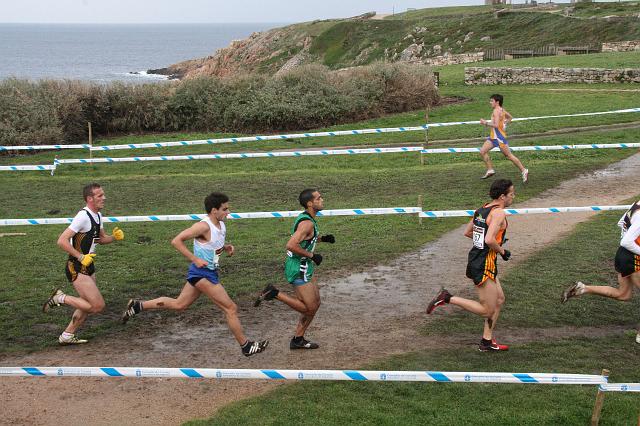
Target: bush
312, 96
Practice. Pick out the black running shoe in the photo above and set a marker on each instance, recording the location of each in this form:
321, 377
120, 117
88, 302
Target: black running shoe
133, 307
441, 298
269, 293
302, 343
252, 348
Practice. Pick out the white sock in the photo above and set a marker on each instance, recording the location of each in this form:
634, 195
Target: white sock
60, 298
66, 336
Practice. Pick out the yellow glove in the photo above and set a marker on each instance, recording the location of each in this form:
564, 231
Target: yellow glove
118, 233
87, 259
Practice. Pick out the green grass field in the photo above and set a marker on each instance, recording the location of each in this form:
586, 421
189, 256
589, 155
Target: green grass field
273, 184
145, 265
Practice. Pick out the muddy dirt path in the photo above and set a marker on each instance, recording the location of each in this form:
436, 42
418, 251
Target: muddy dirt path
364, 317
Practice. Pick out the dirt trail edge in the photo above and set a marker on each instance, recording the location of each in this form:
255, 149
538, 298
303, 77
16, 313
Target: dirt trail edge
364, 317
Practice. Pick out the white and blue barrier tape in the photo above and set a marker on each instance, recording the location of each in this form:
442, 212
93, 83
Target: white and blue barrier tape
298, 135
42, 147
354, 375
620, 387
269, 154
27, 168
251, 215
308, 153
536, 210
294, 213
534, 148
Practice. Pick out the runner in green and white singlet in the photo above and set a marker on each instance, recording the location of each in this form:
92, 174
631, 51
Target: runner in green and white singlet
299, 268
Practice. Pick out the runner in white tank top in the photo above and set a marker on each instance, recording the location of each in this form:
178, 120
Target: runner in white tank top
210, 250
208, 237
627, 264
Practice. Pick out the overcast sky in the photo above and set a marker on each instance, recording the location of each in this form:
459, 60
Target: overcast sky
201, 11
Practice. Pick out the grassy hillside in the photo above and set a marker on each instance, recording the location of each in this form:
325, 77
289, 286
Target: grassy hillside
340, 43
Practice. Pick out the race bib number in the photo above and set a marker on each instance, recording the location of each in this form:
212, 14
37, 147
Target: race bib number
478, 237
94, 243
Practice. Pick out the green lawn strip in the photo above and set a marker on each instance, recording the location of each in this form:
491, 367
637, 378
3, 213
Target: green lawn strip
533, 289
178, 188
337, 403
153, 169
401, 139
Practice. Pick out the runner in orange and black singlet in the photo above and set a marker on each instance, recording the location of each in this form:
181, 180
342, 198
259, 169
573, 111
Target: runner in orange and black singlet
487, 229
482, 259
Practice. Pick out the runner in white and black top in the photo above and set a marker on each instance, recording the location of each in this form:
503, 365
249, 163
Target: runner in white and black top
627, 263
79, 241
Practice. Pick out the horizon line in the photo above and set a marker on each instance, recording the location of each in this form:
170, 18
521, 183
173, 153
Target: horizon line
147, 23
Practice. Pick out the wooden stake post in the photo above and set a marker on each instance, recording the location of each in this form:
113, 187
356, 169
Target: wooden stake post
597, 408
90, 140
426, 136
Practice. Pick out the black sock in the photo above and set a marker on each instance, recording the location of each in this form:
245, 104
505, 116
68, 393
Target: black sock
137, 306
485, 341
447, 298
298, 339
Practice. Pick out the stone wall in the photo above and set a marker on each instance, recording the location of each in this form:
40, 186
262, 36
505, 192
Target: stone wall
489, 76
621, 46
463, 58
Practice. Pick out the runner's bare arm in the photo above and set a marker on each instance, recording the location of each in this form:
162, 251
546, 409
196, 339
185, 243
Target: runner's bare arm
304, 232
495, 221
468, 230
508, 116
116, 235
190, 233
104, 238
64, 244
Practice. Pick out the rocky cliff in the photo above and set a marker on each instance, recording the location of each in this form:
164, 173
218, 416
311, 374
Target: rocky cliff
429, 36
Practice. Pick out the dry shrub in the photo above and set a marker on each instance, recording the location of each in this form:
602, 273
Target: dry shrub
306, 97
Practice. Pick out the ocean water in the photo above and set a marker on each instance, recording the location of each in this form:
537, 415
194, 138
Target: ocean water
106, 53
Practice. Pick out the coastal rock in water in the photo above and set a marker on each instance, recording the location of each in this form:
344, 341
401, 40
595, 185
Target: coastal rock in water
171, 72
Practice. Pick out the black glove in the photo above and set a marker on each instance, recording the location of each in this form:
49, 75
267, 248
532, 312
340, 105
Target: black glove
317, 258
329, 238
506, 255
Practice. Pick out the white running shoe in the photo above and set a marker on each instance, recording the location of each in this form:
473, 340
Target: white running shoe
575, 290
525, 175
53, 300
489, 173
72, 340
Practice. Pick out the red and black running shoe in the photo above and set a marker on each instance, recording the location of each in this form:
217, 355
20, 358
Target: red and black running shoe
492, 346
442, 298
